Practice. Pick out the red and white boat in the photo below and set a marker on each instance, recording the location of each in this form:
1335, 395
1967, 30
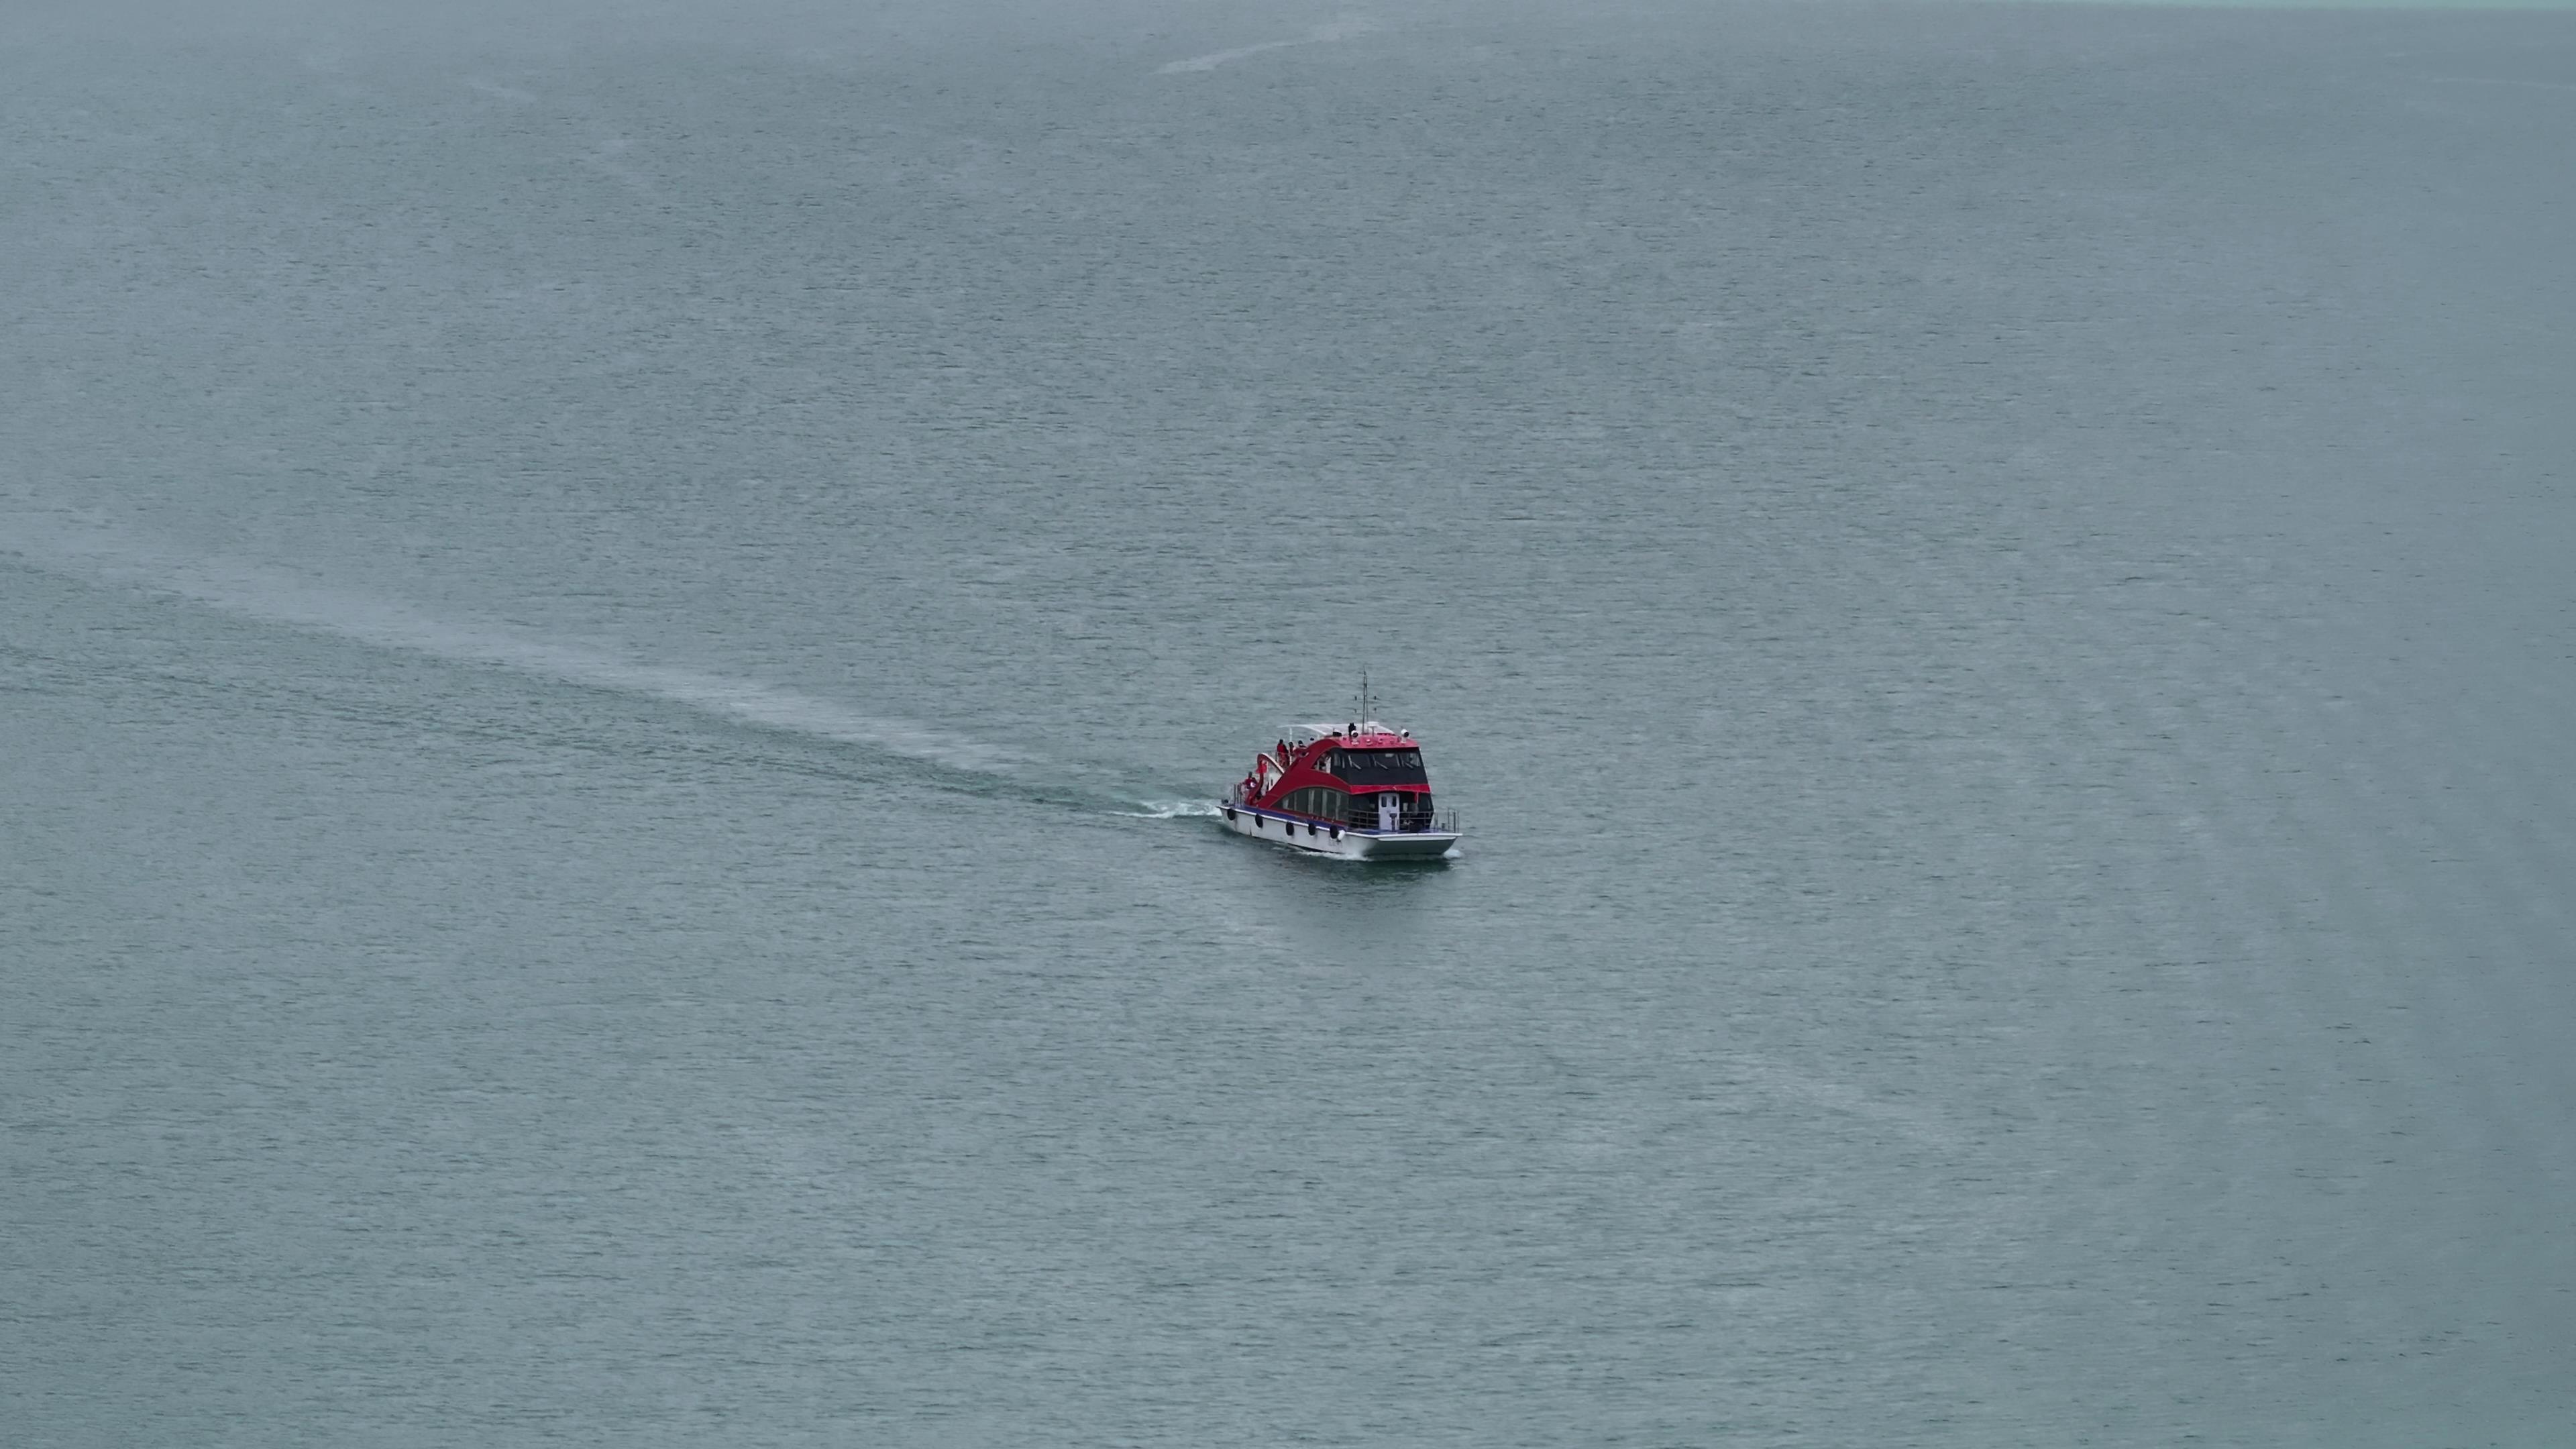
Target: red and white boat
1357, 790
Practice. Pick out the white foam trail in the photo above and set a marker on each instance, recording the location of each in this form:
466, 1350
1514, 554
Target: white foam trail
1173, 809
1342, 29
279, 598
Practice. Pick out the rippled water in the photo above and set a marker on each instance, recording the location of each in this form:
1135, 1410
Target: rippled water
614, 633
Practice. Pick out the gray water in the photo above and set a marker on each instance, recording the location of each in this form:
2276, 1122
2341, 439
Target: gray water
616, 630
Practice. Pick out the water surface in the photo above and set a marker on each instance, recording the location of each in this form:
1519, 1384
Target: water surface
612, 630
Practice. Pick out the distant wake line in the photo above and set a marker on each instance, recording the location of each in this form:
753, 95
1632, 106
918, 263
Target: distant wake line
272, 596
279, 598
1342, 29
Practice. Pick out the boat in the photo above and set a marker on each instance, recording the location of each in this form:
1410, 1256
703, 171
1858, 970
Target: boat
1357, 790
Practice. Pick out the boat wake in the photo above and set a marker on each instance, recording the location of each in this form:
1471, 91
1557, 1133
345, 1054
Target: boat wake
273, 596
1346, 28
1174, 810
99, 554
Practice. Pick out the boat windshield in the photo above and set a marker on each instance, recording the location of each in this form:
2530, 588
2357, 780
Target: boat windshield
1379, 767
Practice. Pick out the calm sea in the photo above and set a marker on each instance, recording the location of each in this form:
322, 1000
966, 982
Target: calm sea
616, 631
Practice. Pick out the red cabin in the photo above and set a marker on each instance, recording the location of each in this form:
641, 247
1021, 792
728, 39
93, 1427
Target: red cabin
1362, 777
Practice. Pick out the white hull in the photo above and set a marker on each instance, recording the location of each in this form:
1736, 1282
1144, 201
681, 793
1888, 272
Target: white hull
1347, 843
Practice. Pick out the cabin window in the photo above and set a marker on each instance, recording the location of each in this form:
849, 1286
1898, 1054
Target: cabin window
1317, 801
1380, 767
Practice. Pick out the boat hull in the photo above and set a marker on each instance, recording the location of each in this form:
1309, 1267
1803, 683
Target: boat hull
1316, 838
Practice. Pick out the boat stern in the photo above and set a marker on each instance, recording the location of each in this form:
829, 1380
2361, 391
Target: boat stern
1401, 845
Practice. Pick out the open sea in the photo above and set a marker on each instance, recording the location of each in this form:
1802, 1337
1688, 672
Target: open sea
619, 626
